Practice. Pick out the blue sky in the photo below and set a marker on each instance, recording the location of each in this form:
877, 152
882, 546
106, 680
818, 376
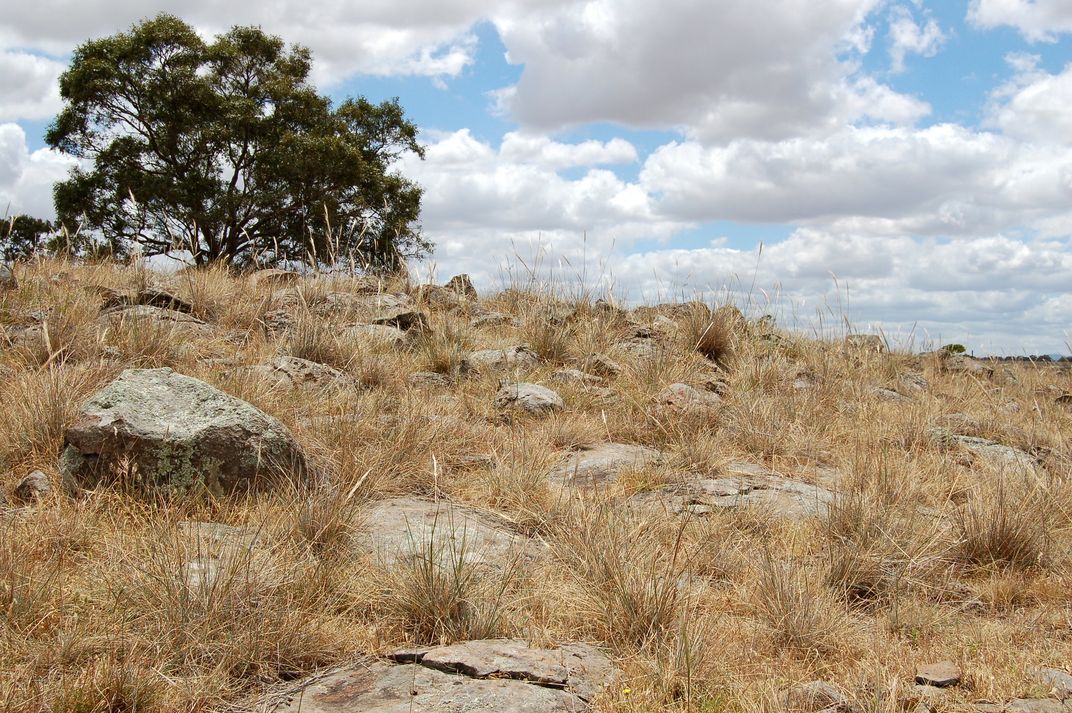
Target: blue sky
915, 155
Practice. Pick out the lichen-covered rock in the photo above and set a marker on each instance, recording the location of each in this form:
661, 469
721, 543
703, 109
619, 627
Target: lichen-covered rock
176, 434
462, 285
532, 399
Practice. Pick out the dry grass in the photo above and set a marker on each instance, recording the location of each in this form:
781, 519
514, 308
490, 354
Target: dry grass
924, 552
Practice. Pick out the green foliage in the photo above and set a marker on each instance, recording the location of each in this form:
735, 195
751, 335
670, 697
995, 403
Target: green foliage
226, 150
954, 349
23, 237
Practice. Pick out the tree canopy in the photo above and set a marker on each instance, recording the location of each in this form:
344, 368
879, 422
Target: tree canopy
226, 150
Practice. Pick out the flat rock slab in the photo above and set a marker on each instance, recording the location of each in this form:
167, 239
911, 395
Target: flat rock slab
578, 668
1026, 705
143, 314
601, 464
381, 687
942, 674
403, 530
180, 434
745, 484
990, 454
294, 372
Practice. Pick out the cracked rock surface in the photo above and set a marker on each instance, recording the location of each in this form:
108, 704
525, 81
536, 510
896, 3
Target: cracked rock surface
488, 675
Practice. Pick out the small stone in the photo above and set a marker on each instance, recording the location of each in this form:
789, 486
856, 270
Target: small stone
575, 376
684, 399
428, 378
942, 674
33, 487
530, 398
516, 357
601, 364
817, 696
883, 394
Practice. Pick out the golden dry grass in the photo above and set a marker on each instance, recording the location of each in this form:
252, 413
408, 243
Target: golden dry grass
926, 553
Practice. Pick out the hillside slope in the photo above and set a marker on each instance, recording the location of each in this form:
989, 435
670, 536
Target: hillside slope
722, 510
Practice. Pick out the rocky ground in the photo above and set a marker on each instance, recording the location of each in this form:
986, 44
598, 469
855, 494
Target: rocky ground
278, 493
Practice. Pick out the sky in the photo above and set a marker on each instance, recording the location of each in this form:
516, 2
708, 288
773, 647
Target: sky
896, 165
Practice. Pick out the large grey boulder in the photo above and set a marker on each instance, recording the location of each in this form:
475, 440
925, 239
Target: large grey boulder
506, 676
177, 434
601, 463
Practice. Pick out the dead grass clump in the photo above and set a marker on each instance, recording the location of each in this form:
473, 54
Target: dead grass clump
445, 593
637, 588
36, 406
799, 613
442, 349
1007, 525
236, 613
145, 343
553, 340
29, 585
111, 684
313, 340
713, 335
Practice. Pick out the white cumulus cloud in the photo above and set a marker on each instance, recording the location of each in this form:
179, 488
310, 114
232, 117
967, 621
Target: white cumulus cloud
1037, 20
